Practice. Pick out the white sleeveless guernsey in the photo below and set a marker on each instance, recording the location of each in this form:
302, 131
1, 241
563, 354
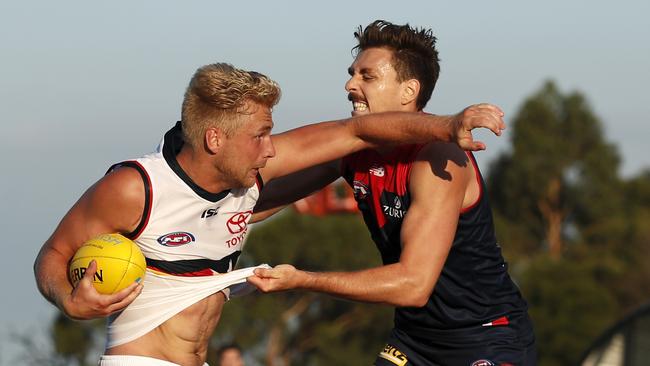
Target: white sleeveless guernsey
191, 239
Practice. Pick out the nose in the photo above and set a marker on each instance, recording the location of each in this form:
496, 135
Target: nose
269, 151
351, 84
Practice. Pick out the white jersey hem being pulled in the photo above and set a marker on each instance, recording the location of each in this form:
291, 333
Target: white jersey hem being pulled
164, 296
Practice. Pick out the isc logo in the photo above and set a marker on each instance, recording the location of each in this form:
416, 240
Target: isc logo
78, 273
209, 213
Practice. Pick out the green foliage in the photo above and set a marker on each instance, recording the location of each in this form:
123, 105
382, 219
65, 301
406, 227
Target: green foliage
74, 340
71, 343
302, 328
634, 285
575, 232
568, 306
560, 176
71, 340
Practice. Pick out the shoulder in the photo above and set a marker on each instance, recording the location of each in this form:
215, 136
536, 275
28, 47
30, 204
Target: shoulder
123, 182
443, 152
442, 160
112, 204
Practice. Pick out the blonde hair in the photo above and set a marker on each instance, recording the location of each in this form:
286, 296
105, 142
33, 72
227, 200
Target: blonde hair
217, 94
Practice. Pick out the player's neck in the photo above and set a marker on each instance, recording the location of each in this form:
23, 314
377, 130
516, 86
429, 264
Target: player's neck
200, 170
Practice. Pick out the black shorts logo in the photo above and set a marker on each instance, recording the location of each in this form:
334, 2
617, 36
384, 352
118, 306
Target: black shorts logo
393, 355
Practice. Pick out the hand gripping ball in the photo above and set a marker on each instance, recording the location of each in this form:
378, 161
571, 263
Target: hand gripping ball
119, 263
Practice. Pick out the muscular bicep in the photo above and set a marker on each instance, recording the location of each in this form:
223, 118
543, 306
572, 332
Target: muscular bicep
114, 204
437, 185
311, 145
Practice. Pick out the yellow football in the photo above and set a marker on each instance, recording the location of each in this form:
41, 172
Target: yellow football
119, 263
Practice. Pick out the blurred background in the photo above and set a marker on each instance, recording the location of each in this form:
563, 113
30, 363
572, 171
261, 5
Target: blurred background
87, 84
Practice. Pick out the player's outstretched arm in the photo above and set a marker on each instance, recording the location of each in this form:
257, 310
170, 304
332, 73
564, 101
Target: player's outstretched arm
321, 142
427, 234
114, 204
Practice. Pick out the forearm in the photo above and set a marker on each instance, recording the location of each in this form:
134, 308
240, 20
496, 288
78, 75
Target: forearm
390, 284
404, 128
50, 271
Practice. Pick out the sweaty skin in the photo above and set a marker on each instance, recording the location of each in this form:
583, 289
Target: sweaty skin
115, 204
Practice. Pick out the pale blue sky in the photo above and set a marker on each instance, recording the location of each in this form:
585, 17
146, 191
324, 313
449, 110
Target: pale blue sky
84, 84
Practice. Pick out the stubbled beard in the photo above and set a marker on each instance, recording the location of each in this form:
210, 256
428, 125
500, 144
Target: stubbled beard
234, 177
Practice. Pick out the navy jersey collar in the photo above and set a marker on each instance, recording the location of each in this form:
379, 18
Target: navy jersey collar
173, 142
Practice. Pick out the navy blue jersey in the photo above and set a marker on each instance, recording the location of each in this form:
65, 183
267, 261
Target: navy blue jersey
474, 288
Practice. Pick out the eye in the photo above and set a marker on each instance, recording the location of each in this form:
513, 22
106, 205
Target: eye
261, 135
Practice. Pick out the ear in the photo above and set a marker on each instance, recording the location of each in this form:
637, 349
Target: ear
410, 91
214, 139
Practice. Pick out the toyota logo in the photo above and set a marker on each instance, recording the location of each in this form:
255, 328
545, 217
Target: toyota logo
238, 222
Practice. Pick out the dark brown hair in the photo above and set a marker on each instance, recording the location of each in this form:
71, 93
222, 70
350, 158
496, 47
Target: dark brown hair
414, 52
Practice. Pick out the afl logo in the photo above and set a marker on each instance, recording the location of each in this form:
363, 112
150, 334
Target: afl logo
360, 190
176, 239
238, 222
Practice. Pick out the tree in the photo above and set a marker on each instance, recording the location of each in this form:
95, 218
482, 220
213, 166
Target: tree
562, 211
568, 306
633, 286
560, 181
76, 343
75, 340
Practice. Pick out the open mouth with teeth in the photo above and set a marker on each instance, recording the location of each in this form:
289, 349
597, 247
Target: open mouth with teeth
359, 106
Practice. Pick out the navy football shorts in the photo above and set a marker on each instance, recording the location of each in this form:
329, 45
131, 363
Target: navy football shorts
482, 346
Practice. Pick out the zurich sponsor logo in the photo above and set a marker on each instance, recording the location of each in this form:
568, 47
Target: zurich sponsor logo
176, 239
398, 208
